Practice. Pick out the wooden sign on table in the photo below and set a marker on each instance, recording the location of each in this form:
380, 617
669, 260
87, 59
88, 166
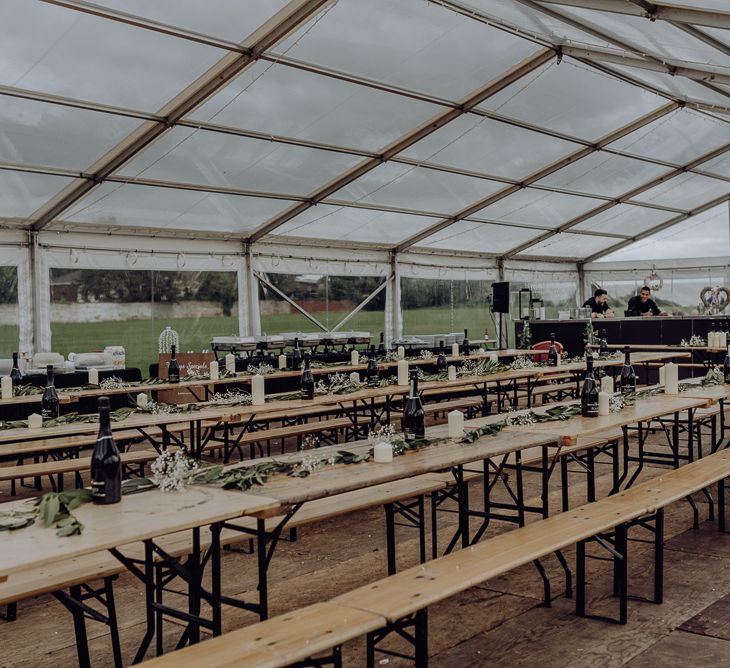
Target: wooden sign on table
196, 364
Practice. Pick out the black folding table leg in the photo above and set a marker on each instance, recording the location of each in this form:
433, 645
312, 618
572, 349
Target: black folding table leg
82, 642
621, 546
659, 557
580, 579
421, 634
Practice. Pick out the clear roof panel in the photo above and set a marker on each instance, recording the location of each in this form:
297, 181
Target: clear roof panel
685, 192
554, 96
704, 235
416, 188
479, 237
357, 225
37, 133
284, 100
719, 165
480, 144
678, 137
416, 45
567, 245
230, 20
625, 219
538, 207
601, 173
124, 205
216, 159
64, 52
22, 193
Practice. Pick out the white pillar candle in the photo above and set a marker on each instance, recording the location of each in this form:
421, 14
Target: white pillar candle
7, 387
607, 385
383, 453
93, 376
454, 349
402, 372
452, 372
35, 421
213, 370
493, 357
401, 353
258, 396
355, 377
481, 352
604, 403
671, 378
141, 400
282, 361
231, 363
662, 372
722, 343
354, 358
456, 424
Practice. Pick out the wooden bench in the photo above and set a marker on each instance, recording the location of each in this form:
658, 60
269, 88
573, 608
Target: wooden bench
403, 599
471, 406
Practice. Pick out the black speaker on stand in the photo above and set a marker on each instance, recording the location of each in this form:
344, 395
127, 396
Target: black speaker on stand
500, 304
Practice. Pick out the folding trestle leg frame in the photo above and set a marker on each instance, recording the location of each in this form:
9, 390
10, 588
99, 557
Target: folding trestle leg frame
75, 601
334, 659
587, 462
413, 629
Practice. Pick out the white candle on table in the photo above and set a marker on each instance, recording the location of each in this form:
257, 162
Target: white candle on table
7, 387
481, 352
454, 349
671, 378
662, 374
93, 376
452, 372
355, 377
141, 400
35, 421
401, 353
604, 403
456, 424
383, 453
231, 363
607, 385
493, 357
258, 396
282, 361
213, 370
402, 372
354, 358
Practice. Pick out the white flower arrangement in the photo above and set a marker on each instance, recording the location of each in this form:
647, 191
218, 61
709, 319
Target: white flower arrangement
173, 471
516, 419
309, 464
391, 356
310, 442
232, 397
262, 369
694, 340
522, 362
616, 403
427, 355
382, 434
112, 383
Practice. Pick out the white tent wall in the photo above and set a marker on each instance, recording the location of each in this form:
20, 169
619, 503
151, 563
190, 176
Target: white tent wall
14, 252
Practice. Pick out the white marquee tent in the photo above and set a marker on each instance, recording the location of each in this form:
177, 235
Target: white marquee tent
548, 141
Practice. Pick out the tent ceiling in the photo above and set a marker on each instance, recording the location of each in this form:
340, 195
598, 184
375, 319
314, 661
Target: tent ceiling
556, 129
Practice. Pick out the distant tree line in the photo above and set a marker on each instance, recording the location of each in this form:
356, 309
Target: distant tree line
8, 285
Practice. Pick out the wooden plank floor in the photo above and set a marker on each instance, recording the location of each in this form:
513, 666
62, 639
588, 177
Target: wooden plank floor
502, 623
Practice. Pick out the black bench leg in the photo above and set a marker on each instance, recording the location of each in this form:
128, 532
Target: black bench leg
82, 642
422, 638
622, 571
390, 537
434, 525
568, 574
564, 483
11, 612
659, 557
545, 582
580, 579
721, 505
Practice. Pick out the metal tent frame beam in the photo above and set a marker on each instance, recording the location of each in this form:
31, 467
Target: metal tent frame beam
273, 31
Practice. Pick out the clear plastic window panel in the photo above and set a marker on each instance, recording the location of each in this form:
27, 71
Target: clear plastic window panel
356, 225
479, 237
441, 306
601, 173
51, 135
483, 145
686, 191
625, 219
719, 165
573, 100
678, 137
230, 20
570, 246
415, 45
65, 52
288, 101
95, 308
702, 236
9, 329
123, 205
217, 159
531, 206
410, 187
21, 193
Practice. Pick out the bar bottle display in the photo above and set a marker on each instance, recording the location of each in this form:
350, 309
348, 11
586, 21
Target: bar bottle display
15, 375
552, 356
106, 464
296, 359
372, 374
307, 380
173, 368
414, 417
628, 375
589, 392
49, 401
465, 346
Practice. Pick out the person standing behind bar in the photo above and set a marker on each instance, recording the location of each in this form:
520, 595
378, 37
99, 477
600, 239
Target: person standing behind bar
643, 304
598, 304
